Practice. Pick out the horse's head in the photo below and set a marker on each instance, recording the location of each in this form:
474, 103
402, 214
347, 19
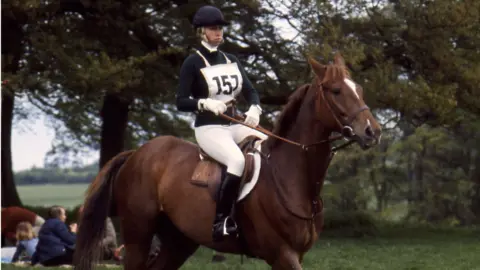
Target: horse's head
340, 103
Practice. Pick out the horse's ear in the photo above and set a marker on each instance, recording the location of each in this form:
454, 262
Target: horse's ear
339, 59
318, 68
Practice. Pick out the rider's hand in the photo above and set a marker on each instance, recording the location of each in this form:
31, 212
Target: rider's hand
215, 106
253, 115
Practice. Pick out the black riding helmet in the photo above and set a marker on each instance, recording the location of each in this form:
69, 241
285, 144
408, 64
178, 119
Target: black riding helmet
208, 16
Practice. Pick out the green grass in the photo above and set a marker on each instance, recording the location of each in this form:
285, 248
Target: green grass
68, 195
394, 249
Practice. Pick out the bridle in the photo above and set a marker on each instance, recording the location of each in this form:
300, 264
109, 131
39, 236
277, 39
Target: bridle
346, 132
346, 129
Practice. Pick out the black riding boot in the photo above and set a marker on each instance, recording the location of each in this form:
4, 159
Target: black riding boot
223, 225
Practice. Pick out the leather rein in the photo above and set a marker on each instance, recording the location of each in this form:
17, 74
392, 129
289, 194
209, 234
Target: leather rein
347, 131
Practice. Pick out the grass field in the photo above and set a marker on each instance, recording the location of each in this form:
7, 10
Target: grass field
393, 249
399, 249
68, 195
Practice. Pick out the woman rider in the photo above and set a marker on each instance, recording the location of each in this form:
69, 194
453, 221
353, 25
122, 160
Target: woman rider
209, 78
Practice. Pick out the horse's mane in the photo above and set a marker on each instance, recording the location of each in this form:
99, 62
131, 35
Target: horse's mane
288, 114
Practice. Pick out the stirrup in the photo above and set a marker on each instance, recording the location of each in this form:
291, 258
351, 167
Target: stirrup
225, 229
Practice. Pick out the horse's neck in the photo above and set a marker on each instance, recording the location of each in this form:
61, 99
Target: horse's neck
299, 172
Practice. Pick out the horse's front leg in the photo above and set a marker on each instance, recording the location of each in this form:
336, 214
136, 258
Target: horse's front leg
287, 260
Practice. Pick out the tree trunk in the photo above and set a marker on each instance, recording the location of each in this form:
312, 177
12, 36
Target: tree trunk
114, 114
9, 190
12, 51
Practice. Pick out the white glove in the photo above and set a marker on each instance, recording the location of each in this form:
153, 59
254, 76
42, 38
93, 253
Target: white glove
215, 106
253, 115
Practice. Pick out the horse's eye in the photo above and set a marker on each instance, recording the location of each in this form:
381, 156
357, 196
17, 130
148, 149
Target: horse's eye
336, 91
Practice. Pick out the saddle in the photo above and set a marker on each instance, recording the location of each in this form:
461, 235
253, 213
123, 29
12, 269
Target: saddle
209, 173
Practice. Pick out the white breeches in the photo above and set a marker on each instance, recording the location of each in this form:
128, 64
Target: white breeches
220, 142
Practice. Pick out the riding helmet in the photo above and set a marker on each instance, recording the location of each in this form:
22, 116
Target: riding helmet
208, 16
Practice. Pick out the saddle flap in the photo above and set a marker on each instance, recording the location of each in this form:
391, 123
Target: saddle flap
209, 172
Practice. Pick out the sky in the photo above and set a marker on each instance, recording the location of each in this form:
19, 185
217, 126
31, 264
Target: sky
32, 138
30, 143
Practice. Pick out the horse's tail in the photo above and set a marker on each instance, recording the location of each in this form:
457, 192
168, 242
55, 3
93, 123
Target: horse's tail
98, 206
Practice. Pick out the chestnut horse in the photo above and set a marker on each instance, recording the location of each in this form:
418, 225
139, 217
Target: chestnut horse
149, 189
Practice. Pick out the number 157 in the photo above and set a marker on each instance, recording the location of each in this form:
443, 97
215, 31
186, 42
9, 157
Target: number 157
224, 84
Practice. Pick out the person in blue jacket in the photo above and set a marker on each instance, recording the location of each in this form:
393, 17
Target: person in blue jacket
56, 243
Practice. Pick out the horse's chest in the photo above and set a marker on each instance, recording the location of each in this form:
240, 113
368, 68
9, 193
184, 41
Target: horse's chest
301, 236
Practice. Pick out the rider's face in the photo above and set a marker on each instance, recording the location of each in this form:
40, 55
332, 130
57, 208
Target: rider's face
214, 35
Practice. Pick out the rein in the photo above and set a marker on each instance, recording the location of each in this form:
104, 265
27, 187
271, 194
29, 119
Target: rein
346, 129
317, 203
347, 132
304, 147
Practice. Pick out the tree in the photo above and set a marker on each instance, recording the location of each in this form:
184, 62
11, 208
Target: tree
13, 20
420, 60
130, 63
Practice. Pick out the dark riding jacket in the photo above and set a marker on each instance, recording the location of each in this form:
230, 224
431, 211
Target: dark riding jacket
193, 86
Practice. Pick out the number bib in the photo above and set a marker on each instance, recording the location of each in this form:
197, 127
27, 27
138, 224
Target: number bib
224, 81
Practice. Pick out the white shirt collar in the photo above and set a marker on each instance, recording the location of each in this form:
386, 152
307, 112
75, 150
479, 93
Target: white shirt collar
209, 47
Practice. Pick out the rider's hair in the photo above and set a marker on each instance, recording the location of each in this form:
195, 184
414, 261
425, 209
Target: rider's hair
201, 34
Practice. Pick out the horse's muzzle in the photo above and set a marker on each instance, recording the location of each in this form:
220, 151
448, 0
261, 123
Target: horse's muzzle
367, 141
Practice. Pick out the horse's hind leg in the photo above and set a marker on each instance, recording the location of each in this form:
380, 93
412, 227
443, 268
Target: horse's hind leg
175, 248
138, 225
137, 244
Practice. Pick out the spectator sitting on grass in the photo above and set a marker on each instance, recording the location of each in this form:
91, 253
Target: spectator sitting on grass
11, 217
27, 242
56, 244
